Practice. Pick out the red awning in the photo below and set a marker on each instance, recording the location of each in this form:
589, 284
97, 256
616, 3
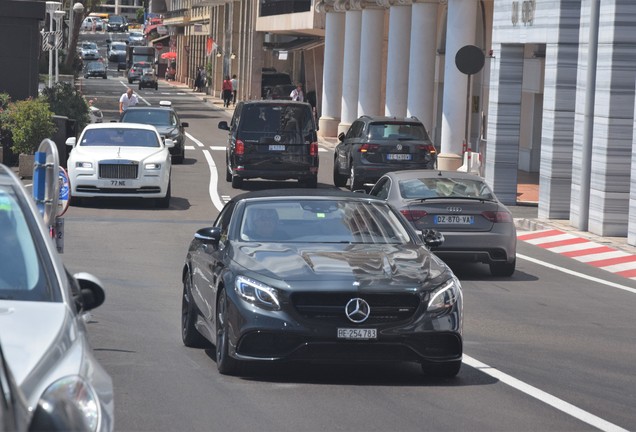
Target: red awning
169, 55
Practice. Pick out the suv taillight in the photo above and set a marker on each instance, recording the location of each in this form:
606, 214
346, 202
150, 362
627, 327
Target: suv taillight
313, 149
239, 148
365, 148
429, 148
413, 215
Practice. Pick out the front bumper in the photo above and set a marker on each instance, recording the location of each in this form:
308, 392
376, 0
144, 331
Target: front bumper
89, 186
257, 334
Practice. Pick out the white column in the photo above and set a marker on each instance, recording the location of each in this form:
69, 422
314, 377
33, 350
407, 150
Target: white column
351, 69
397, 72
371, 61
422, 62
332, 74
461, 25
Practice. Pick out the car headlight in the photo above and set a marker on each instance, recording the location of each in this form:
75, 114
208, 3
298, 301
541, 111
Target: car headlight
74, 389
257, 293
152, 166
444, 297
83, 164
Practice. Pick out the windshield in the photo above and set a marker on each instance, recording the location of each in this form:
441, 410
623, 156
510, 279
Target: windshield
444, 187
160, 117
276, 119
118, 47
115, 20
89, 45
322, 221
21, 271
119, 137
401, 131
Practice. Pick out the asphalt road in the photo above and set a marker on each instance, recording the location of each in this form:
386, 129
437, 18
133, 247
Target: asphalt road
545, 350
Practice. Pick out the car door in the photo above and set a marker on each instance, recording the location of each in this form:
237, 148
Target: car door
343, 149
207, 263
231, 140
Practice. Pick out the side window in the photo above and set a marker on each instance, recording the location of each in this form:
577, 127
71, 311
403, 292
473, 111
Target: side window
223, 220
236, 117
354, 130
381, 188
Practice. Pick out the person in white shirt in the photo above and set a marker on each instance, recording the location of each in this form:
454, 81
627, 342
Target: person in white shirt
128, 99
297, 93
234, 81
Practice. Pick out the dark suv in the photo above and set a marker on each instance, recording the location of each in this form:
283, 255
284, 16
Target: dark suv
117, 23
375, 145
273, 140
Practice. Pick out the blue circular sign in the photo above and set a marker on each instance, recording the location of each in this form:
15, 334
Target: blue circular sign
65, 192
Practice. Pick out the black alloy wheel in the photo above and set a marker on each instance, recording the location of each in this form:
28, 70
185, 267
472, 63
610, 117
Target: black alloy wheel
224, 363
189, 334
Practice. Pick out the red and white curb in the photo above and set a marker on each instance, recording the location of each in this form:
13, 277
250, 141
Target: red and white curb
584, 250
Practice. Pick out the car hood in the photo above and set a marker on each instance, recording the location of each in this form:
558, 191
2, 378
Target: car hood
370, 263
25, 340
115, 152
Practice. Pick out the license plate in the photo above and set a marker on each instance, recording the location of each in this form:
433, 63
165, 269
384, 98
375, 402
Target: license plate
277, 147
398, 156
454, 219
113, 183
357, 333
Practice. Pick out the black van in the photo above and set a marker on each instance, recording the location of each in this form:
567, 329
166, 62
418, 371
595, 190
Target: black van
272, 140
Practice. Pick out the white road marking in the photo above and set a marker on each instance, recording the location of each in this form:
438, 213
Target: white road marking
196, 141
550, 239
544, 397
218, 148
577, 274
575, 247
601, 256
189, 147
213, 183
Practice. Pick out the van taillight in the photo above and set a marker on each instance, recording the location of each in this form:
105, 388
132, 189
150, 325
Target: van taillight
239, 148
500, 216
313, 149
364, 148
413, 215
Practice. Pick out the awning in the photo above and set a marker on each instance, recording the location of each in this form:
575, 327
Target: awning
159, 39
299, 43
171, 55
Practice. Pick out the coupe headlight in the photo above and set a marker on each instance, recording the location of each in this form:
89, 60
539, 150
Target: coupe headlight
257, 293
74, 389
83, 164
444, 297
153, 166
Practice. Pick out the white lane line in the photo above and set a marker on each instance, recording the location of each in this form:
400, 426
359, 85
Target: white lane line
218, 148
196, 141
544, 397
189, 147
577, 274
213, 183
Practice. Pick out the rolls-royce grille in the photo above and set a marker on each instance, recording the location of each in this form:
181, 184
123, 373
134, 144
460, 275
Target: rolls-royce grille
123, 170
385, 308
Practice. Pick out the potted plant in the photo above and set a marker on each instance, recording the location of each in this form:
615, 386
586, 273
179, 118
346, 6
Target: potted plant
28, 122
65, 100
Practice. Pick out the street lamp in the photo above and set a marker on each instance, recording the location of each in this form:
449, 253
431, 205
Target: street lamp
58, 25
51, 7
77, 8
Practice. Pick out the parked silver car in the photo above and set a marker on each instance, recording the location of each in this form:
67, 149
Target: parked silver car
43, 311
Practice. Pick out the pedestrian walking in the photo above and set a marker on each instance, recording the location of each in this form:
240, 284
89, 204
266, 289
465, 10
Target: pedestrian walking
234, 89
198, 78
297, 93
227, 91
128, 99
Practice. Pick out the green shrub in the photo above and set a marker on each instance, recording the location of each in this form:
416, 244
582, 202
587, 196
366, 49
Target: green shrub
65, 100
29, 122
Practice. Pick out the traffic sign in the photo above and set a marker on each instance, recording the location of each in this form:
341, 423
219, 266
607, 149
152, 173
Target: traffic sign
65, 193
158, 46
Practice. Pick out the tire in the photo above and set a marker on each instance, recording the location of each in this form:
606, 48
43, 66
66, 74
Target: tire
339, 180
228, 174
105, 77
237, 182
76, 201
139, 86
130, 81
156, 87
310, 182
503, 269
442, 370
165, 201
178, 159
224, 363
354, 182
189, 334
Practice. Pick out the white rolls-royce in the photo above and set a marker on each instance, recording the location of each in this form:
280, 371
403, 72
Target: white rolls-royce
120, 160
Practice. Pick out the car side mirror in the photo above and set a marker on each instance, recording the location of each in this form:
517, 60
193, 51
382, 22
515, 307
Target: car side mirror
341, 136
92, 294
71, 141
209, 235
432, 238
168, 142
223, 125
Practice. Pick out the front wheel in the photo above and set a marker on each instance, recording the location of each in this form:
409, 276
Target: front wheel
165, 201
224, 363
189, 334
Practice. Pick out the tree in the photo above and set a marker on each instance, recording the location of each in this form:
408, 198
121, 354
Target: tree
89, 7
29, 122
65, 100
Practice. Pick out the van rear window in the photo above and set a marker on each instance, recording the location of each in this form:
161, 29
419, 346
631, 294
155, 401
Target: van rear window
276, 119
